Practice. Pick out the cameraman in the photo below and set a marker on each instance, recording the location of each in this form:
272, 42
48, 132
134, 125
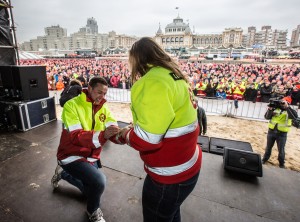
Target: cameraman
280, 115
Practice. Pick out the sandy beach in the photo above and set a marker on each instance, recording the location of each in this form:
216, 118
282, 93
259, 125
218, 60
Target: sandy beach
254, 132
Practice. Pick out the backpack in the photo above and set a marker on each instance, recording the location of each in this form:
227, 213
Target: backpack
68, 93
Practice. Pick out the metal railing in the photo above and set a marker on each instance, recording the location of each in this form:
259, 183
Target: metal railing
240, 109
212, 106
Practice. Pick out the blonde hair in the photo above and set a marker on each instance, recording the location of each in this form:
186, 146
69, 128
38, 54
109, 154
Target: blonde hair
146, 53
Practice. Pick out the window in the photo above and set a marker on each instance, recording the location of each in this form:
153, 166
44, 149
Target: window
231, 37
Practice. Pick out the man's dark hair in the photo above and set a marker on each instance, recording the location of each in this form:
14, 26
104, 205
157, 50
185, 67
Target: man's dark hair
95, 80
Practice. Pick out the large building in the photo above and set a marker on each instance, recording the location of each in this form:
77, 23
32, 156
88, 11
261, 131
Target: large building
179, 35
265, 38
295, 39
53, 39
232, 37
87, 37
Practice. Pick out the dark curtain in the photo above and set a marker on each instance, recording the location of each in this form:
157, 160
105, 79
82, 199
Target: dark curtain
7, 55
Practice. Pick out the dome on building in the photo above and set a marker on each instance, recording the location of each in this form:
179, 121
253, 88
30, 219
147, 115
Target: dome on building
177, 25
188, 30
159, 31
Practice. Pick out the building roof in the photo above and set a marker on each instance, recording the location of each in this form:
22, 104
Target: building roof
159, 31
177, 23
28, 55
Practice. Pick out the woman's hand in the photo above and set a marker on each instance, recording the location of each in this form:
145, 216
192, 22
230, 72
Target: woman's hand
111, 131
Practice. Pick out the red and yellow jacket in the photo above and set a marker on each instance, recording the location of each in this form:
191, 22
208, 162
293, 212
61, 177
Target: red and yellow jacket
165, 127
82, 136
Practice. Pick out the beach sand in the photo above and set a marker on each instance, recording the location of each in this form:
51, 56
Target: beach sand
254, 132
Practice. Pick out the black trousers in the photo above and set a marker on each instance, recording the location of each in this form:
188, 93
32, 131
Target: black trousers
280, 139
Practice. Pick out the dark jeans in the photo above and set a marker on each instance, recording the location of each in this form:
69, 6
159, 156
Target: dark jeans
161, 202
280, 138
88, 179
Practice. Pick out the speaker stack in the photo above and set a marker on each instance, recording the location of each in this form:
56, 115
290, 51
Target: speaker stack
25, 101
238, 156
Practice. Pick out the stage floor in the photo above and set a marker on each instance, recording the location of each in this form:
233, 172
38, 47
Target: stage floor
28, 160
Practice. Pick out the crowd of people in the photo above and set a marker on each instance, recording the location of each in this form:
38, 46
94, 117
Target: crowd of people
250, 82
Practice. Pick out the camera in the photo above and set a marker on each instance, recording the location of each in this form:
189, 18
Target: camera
275, 103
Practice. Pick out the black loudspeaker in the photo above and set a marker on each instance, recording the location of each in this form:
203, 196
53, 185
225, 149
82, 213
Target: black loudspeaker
7, 81
24, 83
217, 145
203, 141
242, 161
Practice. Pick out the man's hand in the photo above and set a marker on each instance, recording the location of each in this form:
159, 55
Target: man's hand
111, 131
124, 131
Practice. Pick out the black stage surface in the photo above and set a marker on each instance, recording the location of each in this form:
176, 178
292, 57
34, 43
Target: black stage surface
27, 163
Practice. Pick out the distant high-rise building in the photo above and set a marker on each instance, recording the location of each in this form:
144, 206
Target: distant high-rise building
251, 36
279, 38
264, 37
295, 39
56, 31
268, 38
86, 38
92, 24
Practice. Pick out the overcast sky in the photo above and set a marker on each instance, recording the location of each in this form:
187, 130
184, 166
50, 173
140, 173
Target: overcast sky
142, 17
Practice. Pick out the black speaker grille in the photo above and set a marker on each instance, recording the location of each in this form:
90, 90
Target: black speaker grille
243, 160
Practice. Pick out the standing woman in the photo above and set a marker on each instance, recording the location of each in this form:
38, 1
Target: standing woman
165, 130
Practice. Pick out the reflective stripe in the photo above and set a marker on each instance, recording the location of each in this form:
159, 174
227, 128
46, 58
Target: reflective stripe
96, 139
75, 127
111, 124
148, 137
69, 159
171, 133
91, 159
170, 171
176, 132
